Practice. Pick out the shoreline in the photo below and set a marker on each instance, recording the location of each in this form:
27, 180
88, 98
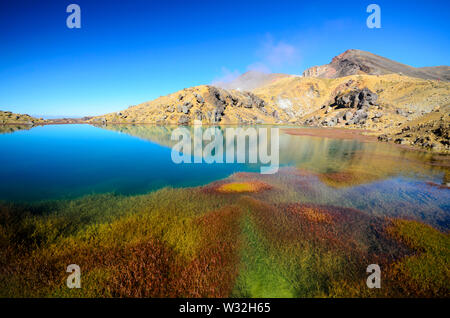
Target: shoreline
334, 133
343, 133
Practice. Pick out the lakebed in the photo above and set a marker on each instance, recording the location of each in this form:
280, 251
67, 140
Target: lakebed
111, 200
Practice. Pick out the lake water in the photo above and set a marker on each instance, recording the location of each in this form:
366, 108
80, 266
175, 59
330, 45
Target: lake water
68, 161
71, 194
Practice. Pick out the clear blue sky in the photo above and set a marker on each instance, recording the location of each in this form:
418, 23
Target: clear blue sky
128, 52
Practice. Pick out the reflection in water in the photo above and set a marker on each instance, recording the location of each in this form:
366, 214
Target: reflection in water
338, 162
5, 129
378, 178
67, 161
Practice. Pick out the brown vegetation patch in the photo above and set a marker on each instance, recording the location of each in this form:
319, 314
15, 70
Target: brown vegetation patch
313, 214
424, 273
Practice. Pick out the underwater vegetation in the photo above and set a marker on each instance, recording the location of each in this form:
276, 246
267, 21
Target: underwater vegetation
427, 271
242, 187
250, 235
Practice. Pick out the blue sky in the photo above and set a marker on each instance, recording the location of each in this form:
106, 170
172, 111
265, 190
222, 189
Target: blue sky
128, 52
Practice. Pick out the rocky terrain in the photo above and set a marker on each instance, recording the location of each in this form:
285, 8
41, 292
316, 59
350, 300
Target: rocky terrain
361, 101
354, 62
7, 118
389, 100
431, 131
202, 104
379, 103
384, 101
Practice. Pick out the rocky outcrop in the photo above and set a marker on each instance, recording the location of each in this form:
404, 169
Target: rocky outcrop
382, 104
355, 62
7, 118
356, 98
184, 120
319, 71
431, 132
350, 107
208, 104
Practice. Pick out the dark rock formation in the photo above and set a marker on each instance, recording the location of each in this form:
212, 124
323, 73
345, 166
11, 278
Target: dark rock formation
356, 98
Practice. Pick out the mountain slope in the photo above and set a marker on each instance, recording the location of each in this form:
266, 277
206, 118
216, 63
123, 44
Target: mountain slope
328, 98
291, 100
442, 72
353, 62
429, 131
206, 104
7, 117
400, 97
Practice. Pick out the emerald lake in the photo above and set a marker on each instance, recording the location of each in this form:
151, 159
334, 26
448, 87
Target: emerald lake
111, 200
69, 161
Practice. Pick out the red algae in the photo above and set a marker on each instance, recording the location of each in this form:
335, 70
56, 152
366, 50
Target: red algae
313, 214
214, 271
331, 244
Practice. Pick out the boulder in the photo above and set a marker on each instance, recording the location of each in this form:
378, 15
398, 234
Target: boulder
356, 98
348, 116
198, 115
401, 112
185, 109
184, 120
199, 98
332, 123
400, 141
361, 113
217, 115
384, 138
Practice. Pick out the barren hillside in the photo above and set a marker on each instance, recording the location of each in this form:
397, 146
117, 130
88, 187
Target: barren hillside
353, 62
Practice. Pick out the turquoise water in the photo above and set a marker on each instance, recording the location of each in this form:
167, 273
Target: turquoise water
67, 161
64, 161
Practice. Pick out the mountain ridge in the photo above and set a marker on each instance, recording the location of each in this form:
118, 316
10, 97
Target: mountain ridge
356, 90
358, 62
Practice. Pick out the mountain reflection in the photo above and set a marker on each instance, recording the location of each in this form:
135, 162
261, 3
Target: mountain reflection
336, 162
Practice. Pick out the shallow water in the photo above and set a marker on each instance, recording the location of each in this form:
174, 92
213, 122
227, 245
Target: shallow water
68, 161
309, 230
